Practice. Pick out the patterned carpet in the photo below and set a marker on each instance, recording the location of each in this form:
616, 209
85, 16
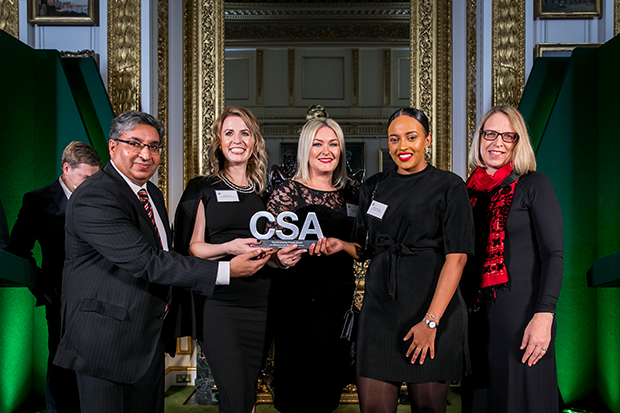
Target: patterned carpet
176, 396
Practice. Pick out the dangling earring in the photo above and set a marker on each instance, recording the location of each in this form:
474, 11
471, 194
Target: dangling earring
427, 150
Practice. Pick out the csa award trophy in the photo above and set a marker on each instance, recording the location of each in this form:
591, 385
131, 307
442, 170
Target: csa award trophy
311, 226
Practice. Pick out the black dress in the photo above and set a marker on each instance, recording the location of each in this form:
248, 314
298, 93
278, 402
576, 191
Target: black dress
308, 302
230, 325
428, 216
533, 257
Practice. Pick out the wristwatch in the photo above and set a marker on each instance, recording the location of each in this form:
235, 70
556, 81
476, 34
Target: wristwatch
430, 323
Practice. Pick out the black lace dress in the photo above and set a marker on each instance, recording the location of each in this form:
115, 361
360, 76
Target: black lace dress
308, 302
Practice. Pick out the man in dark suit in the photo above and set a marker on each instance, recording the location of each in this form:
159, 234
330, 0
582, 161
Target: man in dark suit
42, 218
118, 273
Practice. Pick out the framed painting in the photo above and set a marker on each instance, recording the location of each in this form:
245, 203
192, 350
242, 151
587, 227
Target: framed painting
563, 9
63, 13
559, 49
386, 162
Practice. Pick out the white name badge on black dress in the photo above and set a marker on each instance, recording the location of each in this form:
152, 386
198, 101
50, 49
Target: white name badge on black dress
377, 209
352, 210
227, 196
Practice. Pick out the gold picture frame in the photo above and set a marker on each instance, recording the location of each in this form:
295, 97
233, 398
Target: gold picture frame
559, 49
385, 160
63, 12
557, 9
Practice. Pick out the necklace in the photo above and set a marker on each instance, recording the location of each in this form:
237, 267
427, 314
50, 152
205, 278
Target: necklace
242, 189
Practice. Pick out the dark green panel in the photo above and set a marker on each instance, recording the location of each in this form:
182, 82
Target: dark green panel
608, 227
92, 101
568, 134
540, 94
39, 118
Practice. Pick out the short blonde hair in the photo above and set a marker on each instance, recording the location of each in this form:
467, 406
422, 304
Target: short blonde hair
523, 158
306, 139
256, 171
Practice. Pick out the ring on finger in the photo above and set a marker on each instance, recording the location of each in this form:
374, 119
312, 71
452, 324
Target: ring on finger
543, 349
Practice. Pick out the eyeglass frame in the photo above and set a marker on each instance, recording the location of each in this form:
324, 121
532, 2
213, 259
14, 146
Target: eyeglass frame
483, 135
134, 145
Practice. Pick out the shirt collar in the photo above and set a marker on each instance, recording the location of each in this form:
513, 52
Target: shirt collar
135, 188
65, 189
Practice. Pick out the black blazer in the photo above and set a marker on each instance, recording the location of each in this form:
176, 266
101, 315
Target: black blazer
116, 280
42, 218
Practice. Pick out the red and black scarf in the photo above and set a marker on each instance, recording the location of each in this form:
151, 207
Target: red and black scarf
501, 188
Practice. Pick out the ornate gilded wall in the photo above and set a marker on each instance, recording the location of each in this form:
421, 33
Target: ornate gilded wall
471, 76
124, 64
508, 51
9, 17
431, 72
162, 92
203, 79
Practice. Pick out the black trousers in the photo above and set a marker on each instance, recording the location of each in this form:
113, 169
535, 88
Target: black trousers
61, 389
145, 396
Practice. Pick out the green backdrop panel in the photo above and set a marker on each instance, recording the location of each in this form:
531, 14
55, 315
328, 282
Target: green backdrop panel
560, 155
608, 225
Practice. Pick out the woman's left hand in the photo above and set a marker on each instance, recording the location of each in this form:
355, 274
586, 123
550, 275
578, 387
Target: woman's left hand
326, 246
536, 338
423, 342
289, 256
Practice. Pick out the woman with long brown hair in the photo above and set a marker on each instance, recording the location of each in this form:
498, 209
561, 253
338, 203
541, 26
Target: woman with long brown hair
212, 222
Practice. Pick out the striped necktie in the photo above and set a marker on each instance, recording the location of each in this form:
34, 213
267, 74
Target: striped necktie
144, 198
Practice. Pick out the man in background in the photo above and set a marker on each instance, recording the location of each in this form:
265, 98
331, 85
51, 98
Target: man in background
42, 218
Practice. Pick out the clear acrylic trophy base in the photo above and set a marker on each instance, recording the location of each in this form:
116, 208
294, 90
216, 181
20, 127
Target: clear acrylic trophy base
283, 243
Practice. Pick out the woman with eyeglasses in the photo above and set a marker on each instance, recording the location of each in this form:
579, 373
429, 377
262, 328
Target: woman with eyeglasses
513, 281
415, 224
213, 222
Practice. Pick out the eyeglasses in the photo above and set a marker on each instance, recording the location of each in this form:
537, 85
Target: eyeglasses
138, 146
491, 135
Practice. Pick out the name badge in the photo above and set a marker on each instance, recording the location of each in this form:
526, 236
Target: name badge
377, 209
227, 196
352, 210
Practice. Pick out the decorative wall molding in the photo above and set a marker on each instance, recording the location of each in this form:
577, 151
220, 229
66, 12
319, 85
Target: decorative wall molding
162, 92
316, 21
290, 77
124, 54
355, 77
508, 51
471, 77
616, 17
260, 76
431, 72
9, 17
387, 77
203, 80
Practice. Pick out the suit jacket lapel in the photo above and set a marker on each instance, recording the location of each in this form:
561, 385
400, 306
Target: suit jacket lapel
58, 196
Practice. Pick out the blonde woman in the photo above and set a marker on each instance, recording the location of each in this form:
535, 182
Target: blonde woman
212, 222
310, 299
513, 281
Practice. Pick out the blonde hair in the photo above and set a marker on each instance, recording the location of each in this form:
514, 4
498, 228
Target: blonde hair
523, 158
306, 139
256, 170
